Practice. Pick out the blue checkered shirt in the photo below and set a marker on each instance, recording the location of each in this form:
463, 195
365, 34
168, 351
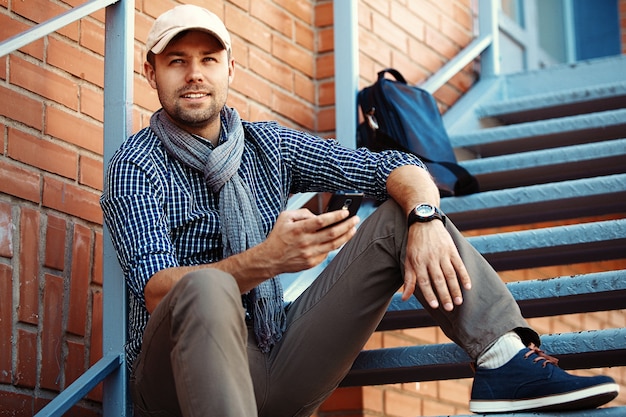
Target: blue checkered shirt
161, 213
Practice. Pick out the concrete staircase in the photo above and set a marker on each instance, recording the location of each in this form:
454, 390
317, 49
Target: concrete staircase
545, 146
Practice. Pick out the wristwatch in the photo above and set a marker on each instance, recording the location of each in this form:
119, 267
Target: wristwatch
425, 213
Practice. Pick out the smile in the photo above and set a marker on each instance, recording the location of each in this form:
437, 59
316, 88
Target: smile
194, 95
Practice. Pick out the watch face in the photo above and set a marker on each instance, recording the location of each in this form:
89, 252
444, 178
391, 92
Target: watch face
425, 210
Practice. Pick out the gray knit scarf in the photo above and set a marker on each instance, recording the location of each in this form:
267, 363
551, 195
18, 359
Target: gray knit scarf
239, 214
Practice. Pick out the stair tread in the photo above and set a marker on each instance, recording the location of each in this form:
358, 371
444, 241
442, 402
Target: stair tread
544, 134
597, 291
541, 202
546, 105
584, 242
546, 157
576, 350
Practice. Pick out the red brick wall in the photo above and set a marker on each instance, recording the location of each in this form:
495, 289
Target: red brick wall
51, 167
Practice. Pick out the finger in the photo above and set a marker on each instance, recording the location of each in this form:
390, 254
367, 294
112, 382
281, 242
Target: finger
426, 288
440, 283
331, 218
409, 284
452, 281
462, 274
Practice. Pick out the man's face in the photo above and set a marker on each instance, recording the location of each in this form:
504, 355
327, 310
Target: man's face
192, 76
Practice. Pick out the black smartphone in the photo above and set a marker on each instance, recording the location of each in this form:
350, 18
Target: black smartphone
345, 200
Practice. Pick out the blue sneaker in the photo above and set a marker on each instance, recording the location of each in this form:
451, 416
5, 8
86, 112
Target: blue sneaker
532, 381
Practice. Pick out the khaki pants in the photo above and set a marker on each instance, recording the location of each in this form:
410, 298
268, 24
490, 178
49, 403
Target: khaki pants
199, 358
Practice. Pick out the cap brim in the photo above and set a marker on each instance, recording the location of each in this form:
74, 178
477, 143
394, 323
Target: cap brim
170, 34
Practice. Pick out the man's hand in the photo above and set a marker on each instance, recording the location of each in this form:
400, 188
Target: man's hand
297, 241
433, 266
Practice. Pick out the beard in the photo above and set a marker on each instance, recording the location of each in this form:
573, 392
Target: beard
190, 115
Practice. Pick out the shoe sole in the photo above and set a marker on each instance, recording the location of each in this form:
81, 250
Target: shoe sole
587, 398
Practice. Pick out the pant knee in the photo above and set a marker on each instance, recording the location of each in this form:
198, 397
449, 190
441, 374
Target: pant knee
210, 295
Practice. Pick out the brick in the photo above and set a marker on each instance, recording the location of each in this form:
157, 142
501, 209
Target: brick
437, 408
401, 404
96, 273
84, 65
438, 42
298, 58
79, 280
75, 363
17, 106
73, 200
92, 103
43, 82
326, 120
370, 46
52, 333
90, 172
390, 33
92, 35
304, 36
304, 87
28, 309
349, 398
325, 40
326, 93
19, 182
251, 30
301, 9
6, 230
42, 10
293, 109
146, 96
10, 27
95, 351
3, 68
276, 18
55, 243
14, 404
324, 14
42, 154
26, 368
6, 323
73, 129
401, 17
325, 66
253, 87
270, 69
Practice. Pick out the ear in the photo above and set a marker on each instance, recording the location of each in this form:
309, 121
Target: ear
150, 74
231, 71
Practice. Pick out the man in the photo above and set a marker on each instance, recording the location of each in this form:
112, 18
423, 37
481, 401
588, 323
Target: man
196, 208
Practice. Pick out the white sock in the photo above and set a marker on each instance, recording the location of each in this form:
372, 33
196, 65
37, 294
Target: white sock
501, 351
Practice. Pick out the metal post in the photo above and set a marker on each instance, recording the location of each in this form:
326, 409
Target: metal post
346, 70
118, 100
488, 25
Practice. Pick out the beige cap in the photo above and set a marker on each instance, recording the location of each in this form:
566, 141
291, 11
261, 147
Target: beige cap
182, 18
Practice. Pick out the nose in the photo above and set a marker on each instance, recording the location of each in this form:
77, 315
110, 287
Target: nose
194, 73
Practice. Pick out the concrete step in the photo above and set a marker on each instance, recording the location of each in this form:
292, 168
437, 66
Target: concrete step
546, 134
577, 350
546, 165
598, 291
536, 203
585, 242
542, 106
